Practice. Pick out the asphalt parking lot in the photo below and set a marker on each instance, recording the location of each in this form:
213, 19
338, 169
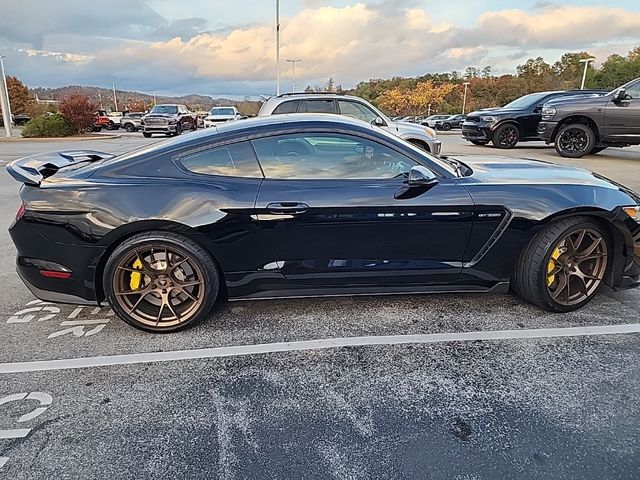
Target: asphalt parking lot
440, 386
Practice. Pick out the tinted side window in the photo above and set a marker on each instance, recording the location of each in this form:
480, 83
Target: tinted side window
318, 106
328, 156
287, 107
357, 110
634, 90
237, 160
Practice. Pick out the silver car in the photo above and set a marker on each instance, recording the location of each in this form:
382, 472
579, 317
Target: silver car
131, 121
419, 135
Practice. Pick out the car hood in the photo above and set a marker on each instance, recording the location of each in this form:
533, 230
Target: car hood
406, 127
507, 170
493, 111
161, 115
220, 117
595, 99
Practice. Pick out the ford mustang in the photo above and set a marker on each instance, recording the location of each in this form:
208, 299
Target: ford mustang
312, 205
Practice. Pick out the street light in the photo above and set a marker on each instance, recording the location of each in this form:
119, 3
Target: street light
464, 98
277, 47
293, 62
4, 100
586, 62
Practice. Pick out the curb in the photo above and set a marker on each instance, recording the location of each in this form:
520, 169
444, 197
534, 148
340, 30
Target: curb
80, 138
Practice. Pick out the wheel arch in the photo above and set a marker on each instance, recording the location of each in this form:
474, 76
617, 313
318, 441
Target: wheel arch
604, 218
508, 121
116, 237
580, 119
419, 143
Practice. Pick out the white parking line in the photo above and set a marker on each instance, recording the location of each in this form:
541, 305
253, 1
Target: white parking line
239, 350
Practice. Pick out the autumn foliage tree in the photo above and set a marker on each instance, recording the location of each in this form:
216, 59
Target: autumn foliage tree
79, 110
402, 100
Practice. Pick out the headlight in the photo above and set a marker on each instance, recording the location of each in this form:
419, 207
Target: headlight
548, 112
431, 132
489, 118
633, 212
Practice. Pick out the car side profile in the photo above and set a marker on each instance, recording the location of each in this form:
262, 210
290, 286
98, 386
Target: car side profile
580, 126
312, 205
449, 122
354, 107
505, 127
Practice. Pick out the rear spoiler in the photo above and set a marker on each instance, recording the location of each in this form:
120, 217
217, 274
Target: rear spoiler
34, 169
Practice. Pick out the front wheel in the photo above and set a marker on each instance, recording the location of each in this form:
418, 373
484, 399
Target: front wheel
506, 136
564, 266
161, 282
575, 141
446, 127
129, 127
146, 134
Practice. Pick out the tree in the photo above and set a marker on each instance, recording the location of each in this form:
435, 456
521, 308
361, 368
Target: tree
569, 70
137, 105
415, 100
537, 75
19, 97
79, 110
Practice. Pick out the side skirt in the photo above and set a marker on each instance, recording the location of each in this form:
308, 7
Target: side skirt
501, 287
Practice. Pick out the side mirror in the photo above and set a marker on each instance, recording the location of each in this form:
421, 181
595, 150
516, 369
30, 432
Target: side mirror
621, 94
378, 122
420, 176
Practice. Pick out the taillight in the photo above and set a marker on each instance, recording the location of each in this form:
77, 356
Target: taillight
20, 212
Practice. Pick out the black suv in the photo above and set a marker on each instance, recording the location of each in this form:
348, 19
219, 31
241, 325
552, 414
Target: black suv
580, 126
515, 122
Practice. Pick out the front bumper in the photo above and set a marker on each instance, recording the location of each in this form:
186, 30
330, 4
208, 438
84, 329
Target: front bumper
435, 146
477, 131
160, 128
546, 129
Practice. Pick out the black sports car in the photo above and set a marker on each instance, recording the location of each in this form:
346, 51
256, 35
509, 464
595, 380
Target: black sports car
304, 205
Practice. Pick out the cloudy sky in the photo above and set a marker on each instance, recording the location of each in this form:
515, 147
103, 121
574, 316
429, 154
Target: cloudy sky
218, 47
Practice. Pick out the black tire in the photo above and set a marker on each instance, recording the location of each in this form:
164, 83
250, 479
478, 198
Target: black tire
478, 142
146, 134
506, 136
531, 273
595, 150
194, 125
129, 127
184, 247
110, 126
97, 129
446, 127
575, 140
178, 130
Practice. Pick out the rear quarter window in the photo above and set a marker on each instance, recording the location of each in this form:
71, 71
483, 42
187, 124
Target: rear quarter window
287, 107
237, 160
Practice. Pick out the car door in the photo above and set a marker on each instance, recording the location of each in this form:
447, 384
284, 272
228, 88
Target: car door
622, 117
530, 118
331, 215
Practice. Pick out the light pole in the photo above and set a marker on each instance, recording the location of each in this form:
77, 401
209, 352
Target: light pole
115, 99
154, 99
586, 62
4, 100
277, 47
464, 98
293, 62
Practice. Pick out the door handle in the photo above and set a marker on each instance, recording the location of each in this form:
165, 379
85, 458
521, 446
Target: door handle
287, 208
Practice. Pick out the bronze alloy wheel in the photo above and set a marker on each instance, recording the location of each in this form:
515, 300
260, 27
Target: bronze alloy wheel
158, 286
576, 266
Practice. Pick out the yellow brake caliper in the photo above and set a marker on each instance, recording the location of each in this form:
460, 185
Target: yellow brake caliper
550, 266
136, 278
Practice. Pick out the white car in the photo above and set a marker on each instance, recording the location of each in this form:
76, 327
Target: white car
431, 120
220, 115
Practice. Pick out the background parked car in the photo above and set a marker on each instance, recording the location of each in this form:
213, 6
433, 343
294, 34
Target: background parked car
430, 121
169, 119
131, 122
356, 107
100, 121
516, 122
220, 115
454, 121
582, 125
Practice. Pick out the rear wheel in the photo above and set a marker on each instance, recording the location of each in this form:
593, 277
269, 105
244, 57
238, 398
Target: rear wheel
446, 126
564, 265
129, 127
575, 140
161, 282
506, 136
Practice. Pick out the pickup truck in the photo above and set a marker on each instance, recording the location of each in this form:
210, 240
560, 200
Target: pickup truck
170, 119
580, 126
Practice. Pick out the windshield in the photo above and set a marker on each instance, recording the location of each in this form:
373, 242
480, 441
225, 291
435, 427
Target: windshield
164, 109
527, 100
222, 111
